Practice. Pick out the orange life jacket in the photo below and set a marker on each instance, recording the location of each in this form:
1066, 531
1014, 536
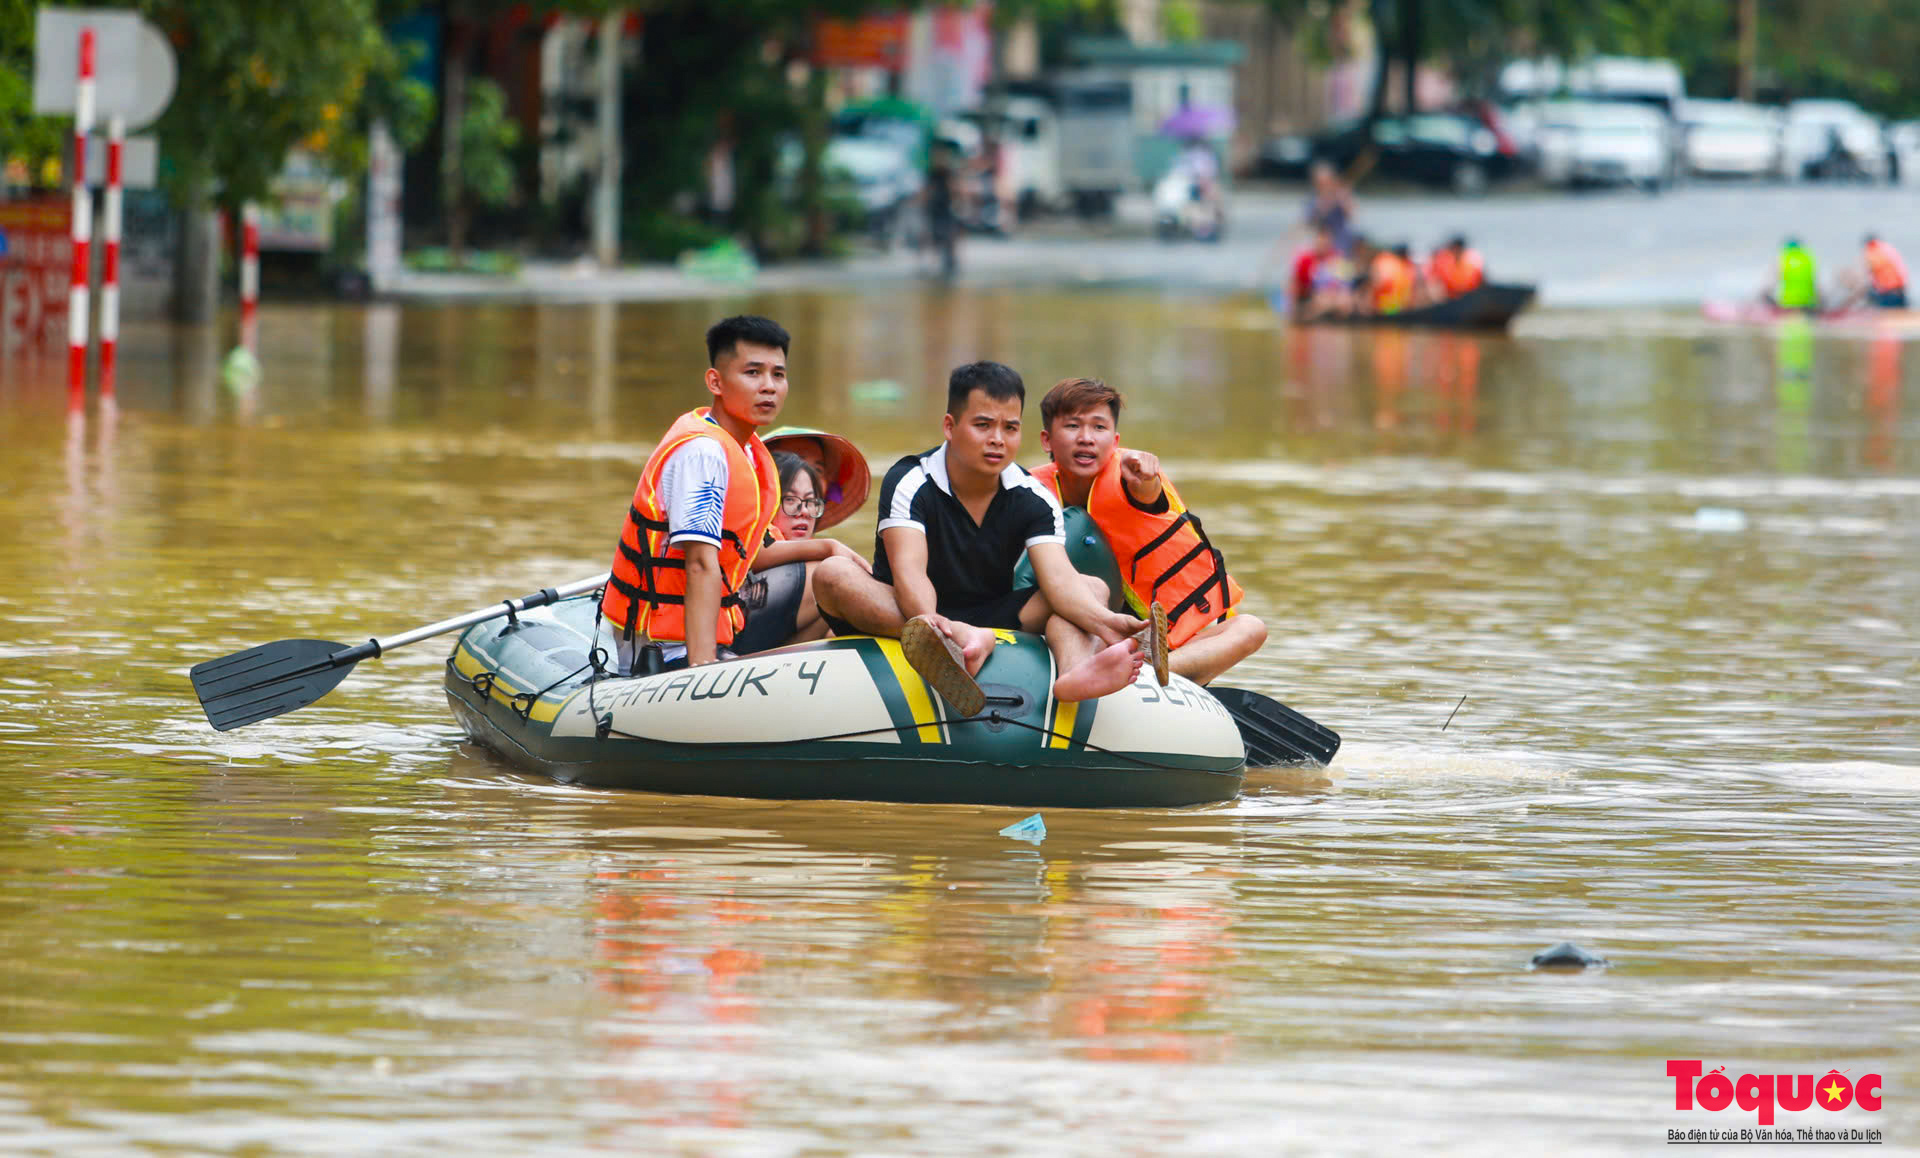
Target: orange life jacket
1163, 556
1889, 273
1389, 283
647, 593
1458, 275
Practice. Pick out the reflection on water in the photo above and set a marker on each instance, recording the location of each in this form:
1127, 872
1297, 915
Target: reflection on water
1691, 748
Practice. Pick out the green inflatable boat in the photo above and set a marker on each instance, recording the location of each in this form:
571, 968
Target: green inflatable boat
844, 718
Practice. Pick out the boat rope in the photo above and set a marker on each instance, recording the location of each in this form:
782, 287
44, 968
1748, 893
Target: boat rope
606, 729
522, 704
483, 682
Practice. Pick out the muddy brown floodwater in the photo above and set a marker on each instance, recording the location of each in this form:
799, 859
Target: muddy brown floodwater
1674, 571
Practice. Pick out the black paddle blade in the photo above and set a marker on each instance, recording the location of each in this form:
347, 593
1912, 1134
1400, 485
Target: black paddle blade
266, 681
1274, 733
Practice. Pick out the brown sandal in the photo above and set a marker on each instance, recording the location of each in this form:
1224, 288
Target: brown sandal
939, 662
1156, 645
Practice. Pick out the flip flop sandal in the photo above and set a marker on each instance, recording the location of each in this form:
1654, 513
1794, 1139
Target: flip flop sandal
1157, 642
939, 662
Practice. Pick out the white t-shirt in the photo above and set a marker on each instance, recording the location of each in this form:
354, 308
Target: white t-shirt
693, 492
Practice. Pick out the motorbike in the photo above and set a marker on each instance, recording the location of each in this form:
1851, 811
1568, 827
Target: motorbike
1182, 209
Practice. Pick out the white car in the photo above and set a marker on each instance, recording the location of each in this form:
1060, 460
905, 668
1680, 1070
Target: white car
1733, 139
1813, 128
1602, 143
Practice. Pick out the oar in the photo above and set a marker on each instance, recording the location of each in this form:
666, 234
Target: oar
275, 678
1274, 733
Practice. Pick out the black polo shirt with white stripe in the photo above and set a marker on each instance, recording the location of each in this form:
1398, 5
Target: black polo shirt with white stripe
970, 564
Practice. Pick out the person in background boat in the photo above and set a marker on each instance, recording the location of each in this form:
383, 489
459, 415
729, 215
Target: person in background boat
700, 514
1322, 280
837, 460
1796, 283
1162, 551
1330, 206
1386, 281
1886, 284
1420, 290
1455, 269
953, 523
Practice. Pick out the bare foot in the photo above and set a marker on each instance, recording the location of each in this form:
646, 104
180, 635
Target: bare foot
976, 643
1104, 672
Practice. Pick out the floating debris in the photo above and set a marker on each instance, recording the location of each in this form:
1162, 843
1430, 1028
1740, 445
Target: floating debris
881, 391
1032, 829
1568, 957
1723, 520
241, 371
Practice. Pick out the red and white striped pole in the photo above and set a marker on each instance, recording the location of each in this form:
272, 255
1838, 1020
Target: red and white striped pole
82, 230
110, 271
250, 277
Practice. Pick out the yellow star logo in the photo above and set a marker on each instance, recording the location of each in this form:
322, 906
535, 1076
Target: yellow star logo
1833, 1092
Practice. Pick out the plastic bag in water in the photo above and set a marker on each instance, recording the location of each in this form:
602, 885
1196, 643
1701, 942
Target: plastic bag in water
1031, 829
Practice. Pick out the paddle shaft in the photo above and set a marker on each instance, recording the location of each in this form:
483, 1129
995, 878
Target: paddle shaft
275, 678
377, 647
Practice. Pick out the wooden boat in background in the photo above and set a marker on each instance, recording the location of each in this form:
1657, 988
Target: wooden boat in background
1491, 307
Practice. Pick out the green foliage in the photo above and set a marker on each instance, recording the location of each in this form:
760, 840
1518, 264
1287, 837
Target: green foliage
1180, 21
647, 234
435, 259
723, 74
28, 143
487, 139
256, 79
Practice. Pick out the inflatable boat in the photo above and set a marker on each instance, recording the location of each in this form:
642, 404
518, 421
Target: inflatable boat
845, 718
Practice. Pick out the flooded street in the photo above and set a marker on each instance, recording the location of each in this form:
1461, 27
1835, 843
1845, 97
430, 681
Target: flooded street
1619, 619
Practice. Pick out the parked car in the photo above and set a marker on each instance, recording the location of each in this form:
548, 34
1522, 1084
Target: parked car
870, 180
1450, 149
1834, 140
1654, 83
880, 175
1603, 143
1734, 139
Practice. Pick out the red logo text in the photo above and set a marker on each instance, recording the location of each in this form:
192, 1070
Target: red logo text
1762, 1092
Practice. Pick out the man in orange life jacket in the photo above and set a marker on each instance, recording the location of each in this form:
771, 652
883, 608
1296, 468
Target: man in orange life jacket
700, 515
1886, 275
1455, 269
1162, 552
953, 522
1385, 282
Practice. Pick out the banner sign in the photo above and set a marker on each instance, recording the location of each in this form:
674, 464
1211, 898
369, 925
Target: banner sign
36, 261
869, 42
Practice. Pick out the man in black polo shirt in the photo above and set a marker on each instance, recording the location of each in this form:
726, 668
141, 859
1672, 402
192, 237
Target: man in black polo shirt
953, 522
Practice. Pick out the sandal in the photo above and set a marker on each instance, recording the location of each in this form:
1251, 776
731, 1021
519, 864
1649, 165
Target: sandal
939, 662
1156, 642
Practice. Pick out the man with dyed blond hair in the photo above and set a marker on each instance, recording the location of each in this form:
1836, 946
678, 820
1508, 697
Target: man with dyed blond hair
1163, 553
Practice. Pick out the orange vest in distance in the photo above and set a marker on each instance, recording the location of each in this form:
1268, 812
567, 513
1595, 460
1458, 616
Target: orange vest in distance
1460, 275
1889, 273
